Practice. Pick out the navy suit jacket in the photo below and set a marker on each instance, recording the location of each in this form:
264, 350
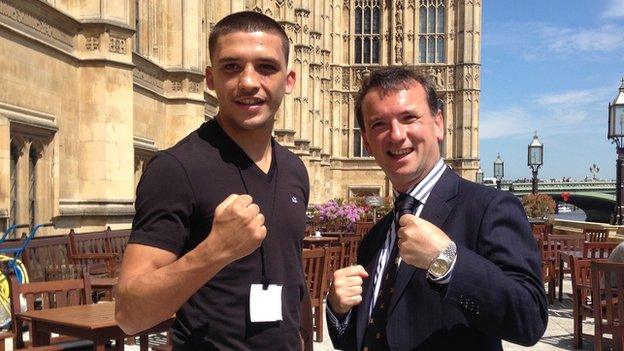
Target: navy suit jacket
495, 292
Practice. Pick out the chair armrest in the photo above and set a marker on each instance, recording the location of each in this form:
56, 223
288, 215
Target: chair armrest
93, 256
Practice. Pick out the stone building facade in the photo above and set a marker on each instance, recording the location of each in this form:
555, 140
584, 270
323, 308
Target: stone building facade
89, 90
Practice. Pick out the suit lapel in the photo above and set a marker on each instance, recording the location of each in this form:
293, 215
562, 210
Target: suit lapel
435, 210
369, 259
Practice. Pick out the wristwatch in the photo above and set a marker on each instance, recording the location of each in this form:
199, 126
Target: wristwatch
442, 264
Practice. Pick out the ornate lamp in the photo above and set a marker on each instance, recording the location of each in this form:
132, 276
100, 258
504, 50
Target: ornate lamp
616, 134
479, 176
535, 158
499, 171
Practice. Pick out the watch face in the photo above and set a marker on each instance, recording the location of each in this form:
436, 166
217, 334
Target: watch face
439, 267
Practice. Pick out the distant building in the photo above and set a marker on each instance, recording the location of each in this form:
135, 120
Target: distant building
90, 90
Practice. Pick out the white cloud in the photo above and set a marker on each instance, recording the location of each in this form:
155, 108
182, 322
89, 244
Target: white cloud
568, 41
570, 98
615, 9
504, 123
541, 41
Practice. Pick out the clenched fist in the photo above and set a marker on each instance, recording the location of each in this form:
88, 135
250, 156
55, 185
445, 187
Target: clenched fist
420, 242
346, 289
238, 227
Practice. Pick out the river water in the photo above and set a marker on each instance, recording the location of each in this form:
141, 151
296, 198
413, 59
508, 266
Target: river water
576, 215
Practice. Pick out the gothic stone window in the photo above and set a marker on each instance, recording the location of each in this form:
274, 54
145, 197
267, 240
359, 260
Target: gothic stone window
367, 31
33, 157
431, 31
30, 162
358, 145
15, 153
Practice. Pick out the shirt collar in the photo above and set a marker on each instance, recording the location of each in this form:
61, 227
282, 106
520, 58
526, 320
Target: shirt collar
422, 190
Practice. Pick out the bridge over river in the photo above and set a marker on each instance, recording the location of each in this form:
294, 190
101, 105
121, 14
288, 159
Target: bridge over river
596, 198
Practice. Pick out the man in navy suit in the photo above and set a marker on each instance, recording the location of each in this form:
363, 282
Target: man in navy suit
455, 265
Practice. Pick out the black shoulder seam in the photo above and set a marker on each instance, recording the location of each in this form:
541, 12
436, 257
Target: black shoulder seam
188, 180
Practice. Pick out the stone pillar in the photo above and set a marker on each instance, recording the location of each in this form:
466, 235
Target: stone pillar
468, 88
5, 175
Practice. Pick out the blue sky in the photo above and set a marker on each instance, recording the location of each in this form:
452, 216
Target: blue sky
550, 66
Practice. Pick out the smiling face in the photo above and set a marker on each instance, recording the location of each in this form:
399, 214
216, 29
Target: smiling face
402, 134
250, 77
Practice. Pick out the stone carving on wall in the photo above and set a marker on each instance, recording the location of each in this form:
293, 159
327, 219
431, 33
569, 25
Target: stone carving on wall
360, 75
194, 87
437, 74
92, 43
176, 86
147, 80
345, 78
302, 13
117, 45
39, 25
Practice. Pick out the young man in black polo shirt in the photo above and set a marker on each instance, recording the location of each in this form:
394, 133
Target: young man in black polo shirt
210, 241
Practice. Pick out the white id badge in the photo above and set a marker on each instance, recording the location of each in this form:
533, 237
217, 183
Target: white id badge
265, 305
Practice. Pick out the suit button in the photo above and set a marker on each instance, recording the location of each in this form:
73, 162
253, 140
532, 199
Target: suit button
378, 336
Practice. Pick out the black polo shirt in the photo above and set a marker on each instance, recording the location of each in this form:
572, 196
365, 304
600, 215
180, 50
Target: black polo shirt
175, 204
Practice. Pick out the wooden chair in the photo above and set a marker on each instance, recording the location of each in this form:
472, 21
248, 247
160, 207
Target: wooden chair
44, 295
93, 250
569, 243
314, 268
581, 296
351, 245
595, 235
598, 249
361, 228
333, 259
118, 241
607, 289
548, 269
306, 324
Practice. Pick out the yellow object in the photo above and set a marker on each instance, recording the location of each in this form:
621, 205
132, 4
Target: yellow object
5, 301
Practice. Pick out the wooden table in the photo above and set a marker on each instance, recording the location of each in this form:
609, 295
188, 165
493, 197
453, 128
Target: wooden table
94, 322
313, 241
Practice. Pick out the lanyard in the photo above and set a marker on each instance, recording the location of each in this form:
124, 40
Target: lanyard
265, 278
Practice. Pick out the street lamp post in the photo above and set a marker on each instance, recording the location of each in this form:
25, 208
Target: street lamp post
499, 171
535, 158
616, 134
479, 176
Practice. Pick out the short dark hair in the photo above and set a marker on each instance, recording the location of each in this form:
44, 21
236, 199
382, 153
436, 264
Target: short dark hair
247, 21
395, 78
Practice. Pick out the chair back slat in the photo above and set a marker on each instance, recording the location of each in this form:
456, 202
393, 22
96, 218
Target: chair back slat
595, 235
607, 291
351, 245
361, 228
313, 262
598, 249
333, 257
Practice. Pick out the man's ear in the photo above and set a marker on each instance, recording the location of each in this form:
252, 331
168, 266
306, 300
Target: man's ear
438, 121
291, 77
209, 78
365, 141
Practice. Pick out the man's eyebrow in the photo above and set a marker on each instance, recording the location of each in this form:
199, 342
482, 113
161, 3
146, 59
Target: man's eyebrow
228, 59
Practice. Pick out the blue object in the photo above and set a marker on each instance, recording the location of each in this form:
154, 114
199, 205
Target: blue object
18, 251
